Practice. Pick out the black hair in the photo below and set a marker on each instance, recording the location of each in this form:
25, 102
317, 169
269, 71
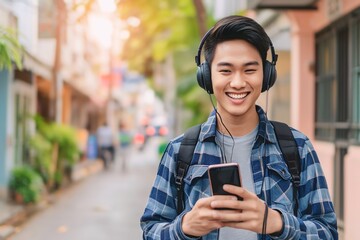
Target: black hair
237, 27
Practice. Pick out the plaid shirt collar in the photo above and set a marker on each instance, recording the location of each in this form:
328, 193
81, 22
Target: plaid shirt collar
266, 130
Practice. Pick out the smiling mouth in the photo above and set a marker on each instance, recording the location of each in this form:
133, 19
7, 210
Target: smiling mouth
237, 95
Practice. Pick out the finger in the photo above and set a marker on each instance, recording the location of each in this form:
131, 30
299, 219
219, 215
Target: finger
207, 200
252, 225
247, 210
225, 212
203, 207
243, 205
223, 197
239, 225
220, 198
254, 205
239, 191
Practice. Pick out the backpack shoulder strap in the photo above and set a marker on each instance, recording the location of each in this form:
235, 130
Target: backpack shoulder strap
184, 158
290, 153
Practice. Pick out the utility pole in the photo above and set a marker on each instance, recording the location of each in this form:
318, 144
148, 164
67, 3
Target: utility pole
110, 107
201, 16
57, 86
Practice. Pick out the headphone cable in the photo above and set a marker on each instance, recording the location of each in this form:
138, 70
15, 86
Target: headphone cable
222, 123
267, 101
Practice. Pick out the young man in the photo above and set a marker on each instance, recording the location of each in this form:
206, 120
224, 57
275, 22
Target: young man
105, 141
236, 72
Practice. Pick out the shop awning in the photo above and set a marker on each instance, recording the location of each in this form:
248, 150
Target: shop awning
283, 4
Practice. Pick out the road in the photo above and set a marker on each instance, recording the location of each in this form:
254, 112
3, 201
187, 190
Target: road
107, 205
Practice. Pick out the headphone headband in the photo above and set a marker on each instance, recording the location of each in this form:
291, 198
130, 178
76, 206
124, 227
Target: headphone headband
203, 40
274, 56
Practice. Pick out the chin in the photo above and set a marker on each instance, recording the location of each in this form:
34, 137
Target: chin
239, 112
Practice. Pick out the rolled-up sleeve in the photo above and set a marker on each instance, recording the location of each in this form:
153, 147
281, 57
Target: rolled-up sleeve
316, 218
160, 219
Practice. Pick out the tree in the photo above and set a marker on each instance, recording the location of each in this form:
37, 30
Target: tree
166, 26
10, 49
167, 29
201, 16
57, 81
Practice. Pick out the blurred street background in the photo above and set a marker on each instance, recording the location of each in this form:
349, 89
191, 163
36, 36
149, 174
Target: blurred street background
111, 212
83, 82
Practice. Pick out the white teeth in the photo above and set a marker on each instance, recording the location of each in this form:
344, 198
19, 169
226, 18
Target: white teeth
237, 96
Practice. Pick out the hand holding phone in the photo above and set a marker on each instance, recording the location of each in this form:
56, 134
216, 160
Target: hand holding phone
221, 174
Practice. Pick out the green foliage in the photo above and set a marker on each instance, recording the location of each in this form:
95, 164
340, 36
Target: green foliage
41, 155
58, 178
63, 135
10, 48
54, 150
27, 183
162, 147
195, 99
165, 27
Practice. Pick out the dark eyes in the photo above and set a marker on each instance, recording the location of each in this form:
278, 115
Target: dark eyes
250, 70
229, 71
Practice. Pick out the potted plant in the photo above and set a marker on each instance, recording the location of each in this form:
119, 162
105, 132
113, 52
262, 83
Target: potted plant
25, 185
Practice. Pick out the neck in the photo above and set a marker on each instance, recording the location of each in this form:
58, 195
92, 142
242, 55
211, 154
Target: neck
240, 125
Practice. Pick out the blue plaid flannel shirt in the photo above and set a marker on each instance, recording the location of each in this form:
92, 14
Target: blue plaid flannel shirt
316, 217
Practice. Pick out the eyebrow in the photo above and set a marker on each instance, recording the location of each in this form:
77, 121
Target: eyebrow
251, 63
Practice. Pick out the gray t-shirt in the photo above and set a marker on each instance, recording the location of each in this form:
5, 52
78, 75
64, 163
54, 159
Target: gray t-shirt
239, 151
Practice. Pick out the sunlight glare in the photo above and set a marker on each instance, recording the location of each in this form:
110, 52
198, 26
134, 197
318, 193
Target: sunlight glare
107, 6
101, 30
124, 34
133, 21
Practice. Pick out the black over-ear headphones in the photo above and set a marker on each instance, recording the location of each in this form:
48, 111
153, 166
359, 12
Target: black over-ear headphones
203, 73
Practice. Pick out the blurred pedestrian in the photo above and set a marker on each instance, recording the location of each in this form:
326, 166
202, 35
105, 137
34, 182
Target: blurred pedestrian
105, 140
125, 139
236, 71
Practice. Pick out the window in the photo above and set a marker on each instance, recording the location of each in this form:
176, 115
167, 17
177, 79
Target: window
338, 82
325, 85
355, 126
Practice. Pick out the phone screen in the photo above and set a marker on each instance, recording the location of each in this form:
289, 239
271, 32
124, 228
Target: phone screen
221, 174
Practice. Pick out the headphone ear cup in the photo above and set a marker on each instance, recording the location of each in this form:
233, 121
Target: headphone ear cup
269, 76
204, 77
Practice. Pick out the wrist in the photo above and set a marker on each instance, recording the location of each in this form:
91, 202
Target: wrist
277, 224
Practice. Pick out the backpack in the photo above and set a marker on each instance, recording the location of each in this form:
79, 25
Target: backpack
286, 142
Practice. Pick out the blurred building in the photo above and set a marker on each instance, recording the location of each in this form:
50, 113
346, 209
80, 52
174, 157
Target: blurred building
318, 84
18, 89
60, 80
324, 88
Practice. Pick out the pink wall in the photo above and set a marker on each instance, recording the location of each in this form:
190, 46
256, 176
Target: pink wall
326, 154
303, 25
302, 82
352, 193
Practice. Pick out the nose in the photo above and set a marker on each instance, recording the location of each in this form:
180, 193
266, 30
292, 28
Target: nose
238, 81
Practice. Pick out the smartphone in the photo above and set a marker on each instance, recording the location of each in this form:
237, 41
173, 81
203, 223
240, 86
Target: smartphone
225, 173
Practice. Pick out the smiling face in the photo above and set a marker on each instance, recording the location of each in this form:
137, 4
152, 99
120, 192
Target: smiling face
237, 76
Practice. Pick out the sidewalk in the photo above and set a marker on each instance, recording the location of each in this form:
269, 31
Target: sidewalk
12, 215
